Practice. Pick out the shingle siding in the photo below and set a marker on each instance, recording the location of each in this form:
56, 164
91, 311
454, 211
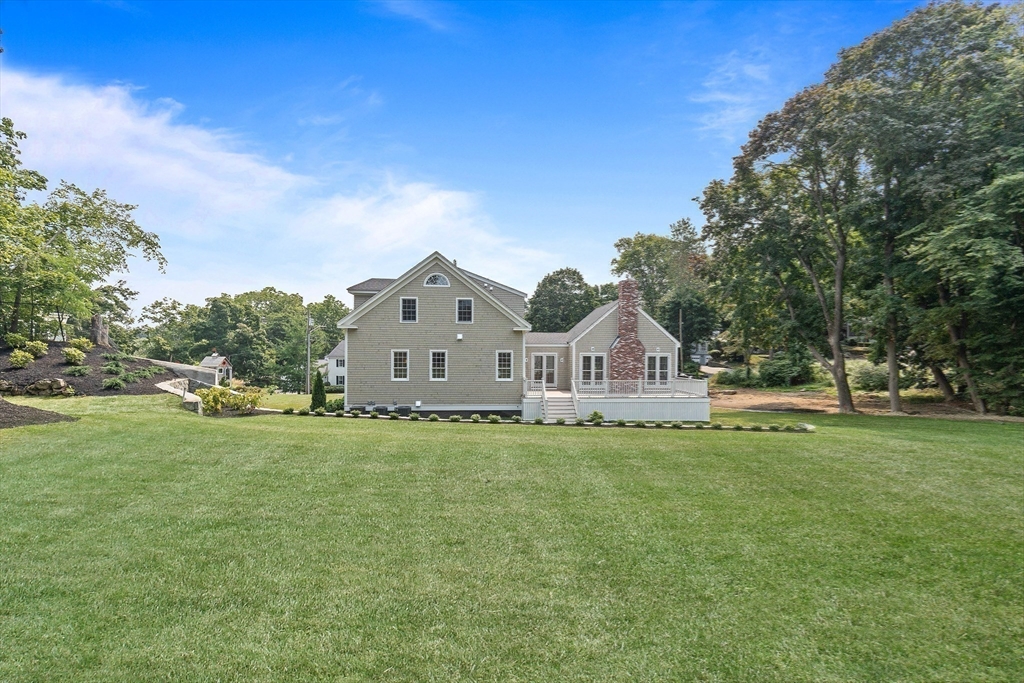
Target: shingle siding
563, 373
604, 333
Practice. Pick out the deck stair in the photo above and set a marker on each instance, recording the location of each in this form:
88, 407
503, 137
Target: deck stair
559, 405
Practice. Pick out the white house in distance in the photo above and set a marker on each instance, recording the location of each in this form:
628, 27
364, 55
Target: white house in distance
335, 372
219, 363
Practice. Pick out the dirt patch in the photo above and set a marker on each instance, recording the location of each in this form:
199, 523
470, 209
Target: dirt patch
822, 402
52, 366
12, 415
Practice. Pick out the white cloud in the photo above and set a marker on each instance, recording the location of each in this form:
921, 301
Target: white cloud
738, 91
231, 220
429, 13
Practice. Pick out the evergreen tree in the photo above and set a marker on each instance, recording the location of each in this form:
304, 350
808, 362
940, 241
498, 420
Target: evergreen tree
319, 399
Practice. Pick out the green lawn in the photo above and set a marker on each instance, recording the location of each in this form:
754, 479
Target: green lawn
147, 543
296, 401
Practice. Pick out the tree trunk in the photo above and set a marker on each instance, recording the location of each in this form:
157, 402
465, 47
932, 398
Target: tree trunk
956, 336
943, 382
16, 310
892, 361
836, 338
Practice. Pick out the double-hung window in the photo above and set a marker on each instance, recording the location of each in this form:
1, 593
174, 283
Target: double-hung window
339, 362
464, 310
592, 367
657, 368
503, 369
438, 366
408, 308
400, 365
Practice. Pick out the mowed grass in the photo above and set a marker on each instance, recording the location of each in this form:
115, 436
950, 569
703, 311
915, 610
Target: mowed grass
296, 401
146, 543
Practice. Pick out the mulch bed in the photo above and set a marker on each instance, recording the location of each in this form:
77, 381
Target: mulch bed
52, 366
12, 415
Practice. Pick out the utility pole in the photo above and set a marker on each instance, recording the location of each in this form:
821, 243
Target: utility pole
309, 331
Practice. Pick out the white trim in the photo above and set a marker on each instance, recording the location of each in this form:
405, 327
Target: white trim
493, 283
604, 366
472, 310
400, 312
345, 395
544, 353
408, 365
465, 407
346, 322
511, 365
595, 323
430, 365
448, 282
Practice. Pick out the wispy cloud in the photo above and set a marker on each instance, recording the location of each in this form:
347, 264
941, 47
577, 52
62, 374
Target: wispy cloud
230, 219
433, 14
736, 92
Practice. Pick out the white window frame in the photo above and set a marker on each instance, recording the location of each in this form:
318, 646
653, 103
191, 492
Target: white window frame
511, 365
472, 310
406, 298
447, 282
555, 368
339, 362
657, 371
408, 368
430, 366
604, 367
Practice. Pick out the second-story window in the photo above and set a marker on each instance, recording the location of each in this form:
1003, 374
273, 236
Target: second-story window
408, 309
464, 310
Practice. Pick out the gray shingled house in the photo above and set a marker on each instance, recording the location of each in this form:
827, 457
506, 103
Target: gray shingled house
440, 339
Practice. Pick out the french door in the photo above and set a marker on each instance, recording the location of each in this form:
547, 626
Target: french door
544, 369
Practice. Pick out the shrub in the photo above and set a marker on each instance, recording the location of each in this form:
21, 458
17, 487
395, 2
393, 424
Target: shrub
538, 420
113, 368
132, 377
560, 421
335, 405
78, 371
334, 390
116, 356
716, 425
38, 349
788, 428
374, 414
640, 423
214, 398
15, 340
517, 418
804, 427
247, 400
319, 397
867, 377
596, 417
756, 428
320, 412
303, 411
580, 422
493, 419
677, 425
81, 343
774, 428
339, 413
475, 417
454, 418
356, 412
794, 366
288, 411
716, 355
414, 416
113, 383
659, 425
20, 359
740, 377
433, 417
738, 428
620, 422
392, 415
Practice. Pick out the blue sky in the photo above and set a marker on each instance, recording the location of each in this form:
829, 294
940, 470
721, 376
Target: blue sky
311, 145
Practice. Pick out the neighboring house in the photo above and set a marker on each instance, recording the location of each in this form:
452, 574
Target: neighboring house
700, 353
218, 363
441, 339
334, 374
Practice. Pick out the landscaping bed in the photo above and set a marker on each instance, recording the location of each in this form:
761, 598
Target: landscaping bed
13, 415
53, 366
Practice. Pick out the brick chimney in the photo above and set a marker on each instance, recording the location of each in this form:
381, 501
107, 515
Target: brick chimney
626, 360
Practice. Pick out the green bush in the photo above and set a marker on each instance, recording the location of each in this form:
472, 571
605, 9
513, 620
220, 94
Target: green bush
374, 414
81, 343
740, 377
246, 400
214, 398
113, 368
339, 413
118, 356
640, 423
433, 417
113, 383
699, 425
475, 417
414, 416
38, 349
288, 411
356, 412
493, 419
738, 428
716, 425
596, 417
517, 418
538, 420
454, 418
659, 425
15, 340
788, 428
320, 412
560, 421
20, 359
580, 422
319, 397
78, 371
677, 425
335, 405
794, 366
620, 422
303, 411
774, 427
756, 428
393, 415
868, 377
131, 377
334, 390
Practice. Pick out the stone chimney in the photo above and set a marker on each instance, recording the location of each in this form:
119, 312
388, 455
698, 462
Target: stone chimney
626, 360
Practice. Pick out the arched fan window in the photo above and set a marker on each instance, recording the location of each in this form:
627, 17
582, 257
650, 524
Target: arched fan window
436, 280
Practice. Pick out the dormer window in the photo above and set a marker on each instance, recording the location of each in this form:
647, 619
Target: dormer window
436, 280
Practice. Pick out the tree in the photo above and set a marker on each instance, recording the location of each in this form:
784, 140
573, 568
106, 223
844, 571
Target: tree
561, 299
326, 315
688, 313
657, 262
319, 397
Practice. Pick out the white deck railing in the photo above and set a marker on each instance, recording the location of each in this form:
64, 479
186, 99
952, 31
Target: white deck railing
618, 388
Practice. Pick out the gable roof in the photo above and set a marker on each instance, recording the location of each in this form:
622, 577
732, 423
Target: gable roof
540, 338
407, 277
214, 361
577, 330
371, 286
338, 351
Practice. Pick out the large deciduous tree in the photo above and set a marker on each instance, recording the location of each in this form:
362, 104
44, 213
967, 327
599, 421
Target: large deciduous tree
561, 299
